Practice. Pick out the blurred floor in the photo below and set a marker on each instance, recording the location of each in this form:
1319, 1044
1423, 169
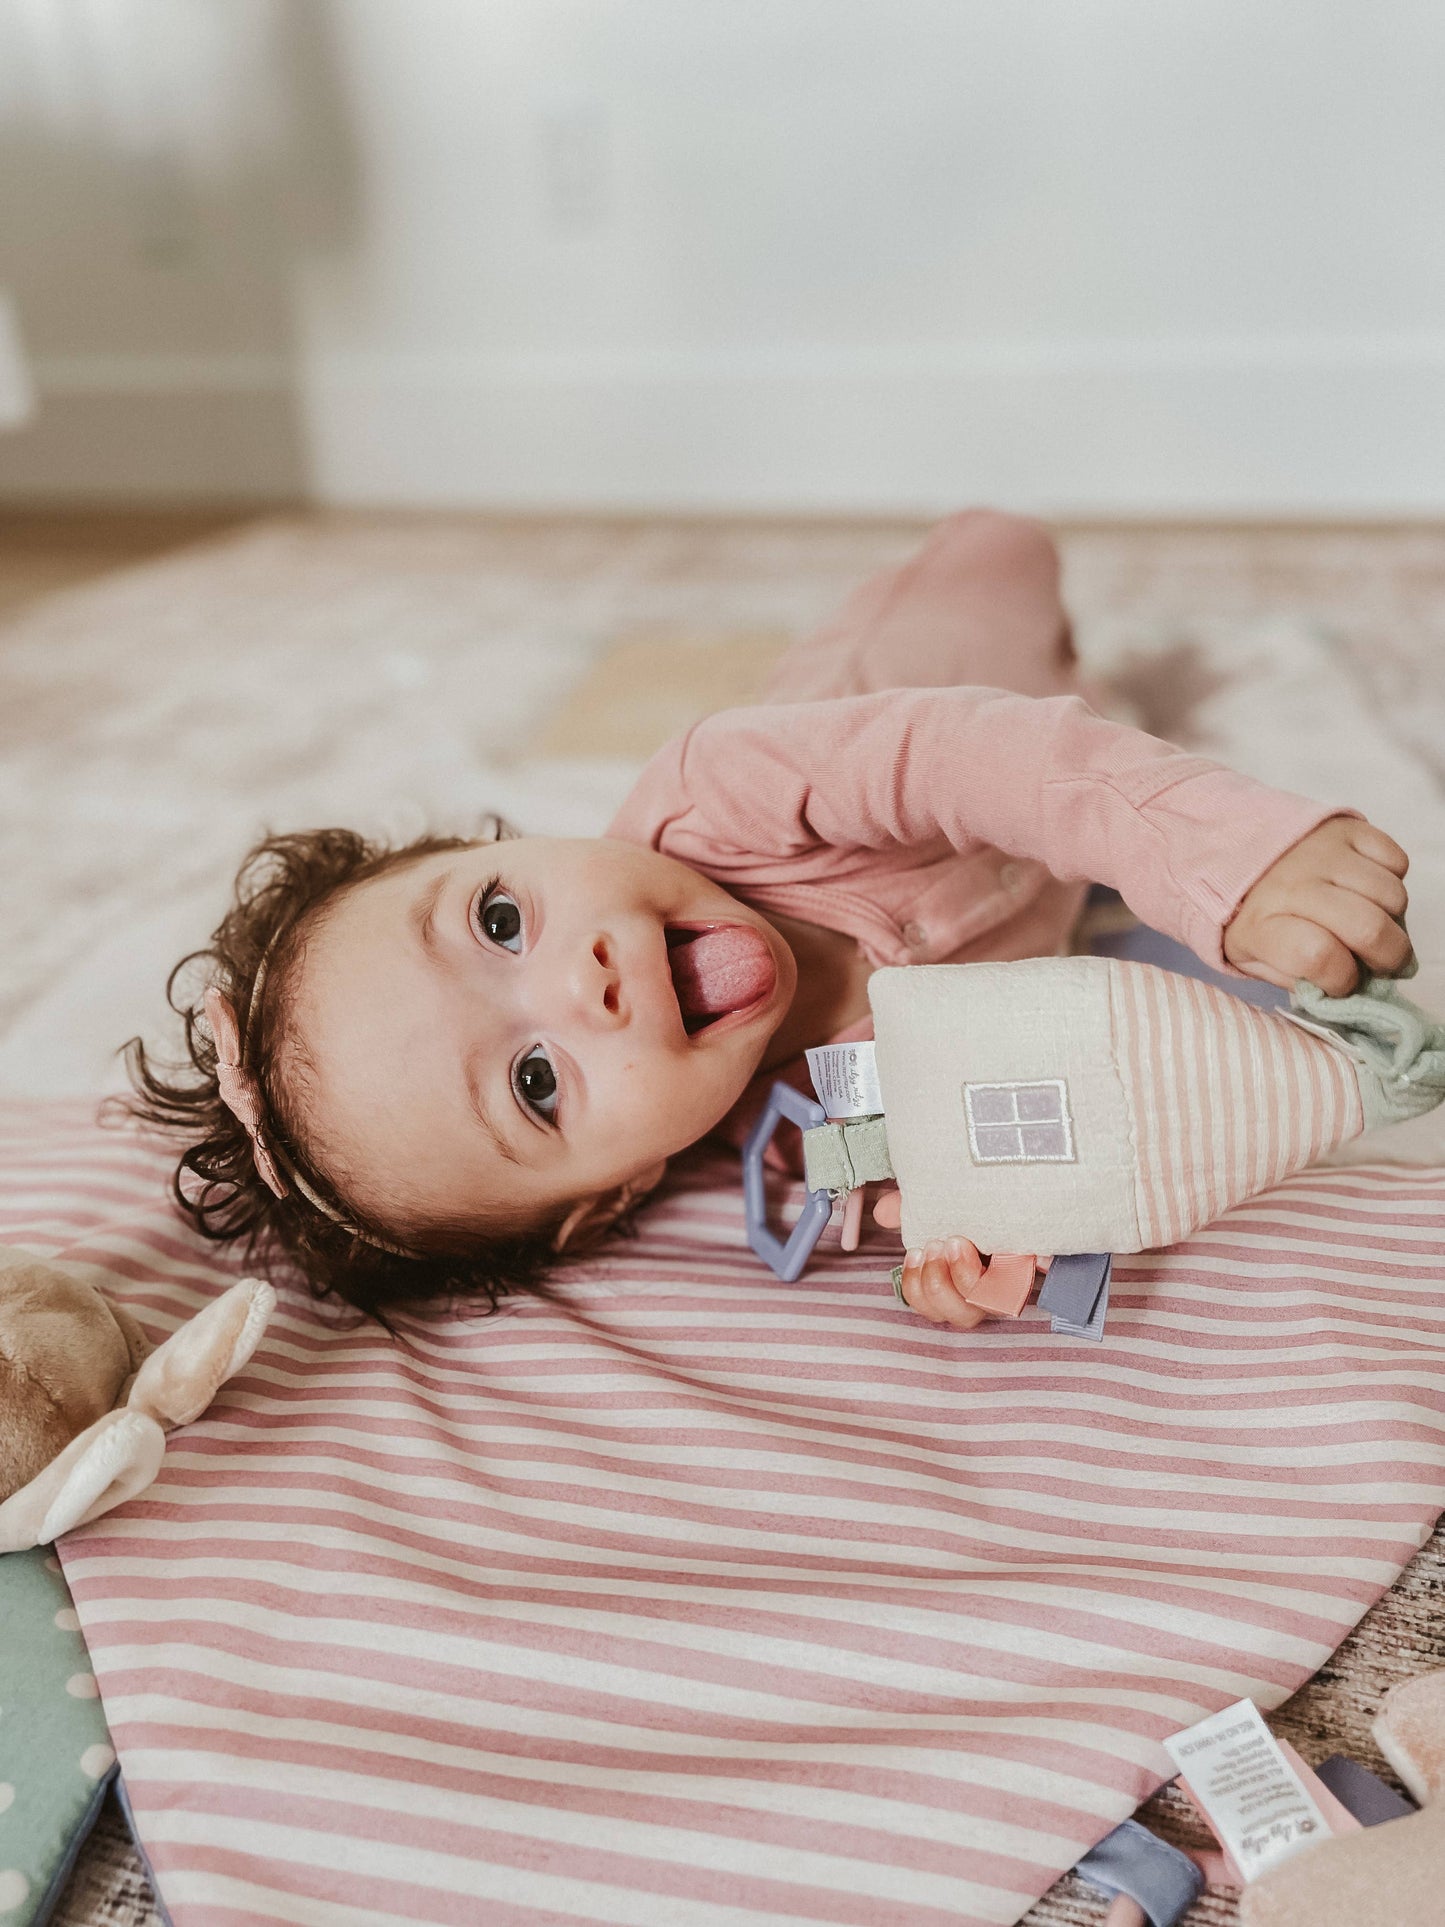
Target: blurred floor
1383, 584
44, 551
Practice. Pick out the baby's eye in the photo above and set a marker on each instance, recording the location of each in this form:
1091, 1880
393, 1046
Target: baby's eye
500, 919
535, 1082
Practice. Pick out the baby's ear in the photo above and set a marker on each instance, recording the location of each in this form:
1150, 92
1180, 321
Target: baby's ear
592, 1218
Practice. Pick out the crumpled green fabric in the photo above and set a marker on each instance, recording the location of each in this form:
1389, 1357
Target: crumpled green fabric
1398, 1049
837, 1157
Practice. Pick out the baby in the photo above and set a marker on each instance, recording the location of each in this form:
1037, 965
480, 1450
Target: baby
424, 1073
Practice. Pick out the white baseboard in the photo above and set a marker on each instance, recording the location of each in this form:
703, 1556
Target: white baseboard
1337, 427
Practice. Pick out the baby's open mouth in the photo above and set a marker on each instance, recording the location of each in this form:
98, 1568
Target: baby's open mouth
717, 970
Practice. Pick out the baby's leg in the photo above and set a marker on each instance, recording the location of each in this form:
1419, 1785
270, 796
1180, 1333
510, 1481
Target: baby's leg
978, 603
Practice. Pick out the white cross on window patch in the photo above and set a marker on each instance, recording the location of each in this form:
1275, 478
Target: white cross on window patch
1019, 1123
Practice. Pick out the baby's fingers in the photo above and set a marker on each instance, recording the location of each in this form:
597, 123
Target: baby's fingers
1290, 947
935, 1280
1287, 949
1373, 881
1334, 927
1382, 849
888, 1211
1364, 926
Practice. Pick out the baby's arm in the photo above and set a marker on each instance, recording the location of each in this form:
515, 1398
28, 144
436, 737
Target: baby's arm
791, 793
1332, 902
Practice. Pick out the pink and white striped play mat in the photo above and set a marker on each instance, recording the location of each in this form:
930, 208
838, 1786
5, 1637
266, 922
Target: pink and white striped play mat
713, 1602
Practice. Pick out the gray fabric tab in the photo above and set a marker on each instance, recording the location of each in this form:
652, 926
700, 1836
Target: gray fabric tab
1131, 1860
1092, 1327
839, 1157
1071, 1289
1398, 1051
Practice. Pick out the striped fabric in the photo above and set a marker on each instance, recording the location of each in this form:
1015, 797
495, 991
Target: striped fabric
1235, 1097
709, 1602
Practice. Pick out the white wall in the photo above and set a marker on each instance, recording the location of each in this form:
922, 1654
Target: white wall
1069, 254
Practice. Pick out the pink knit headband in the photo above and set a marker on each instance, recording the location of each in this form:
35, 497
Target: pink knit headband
240, 1092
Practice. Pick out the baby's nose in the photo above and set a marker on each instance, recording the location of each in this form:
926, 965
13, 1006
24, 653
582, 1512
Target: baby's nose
598, 986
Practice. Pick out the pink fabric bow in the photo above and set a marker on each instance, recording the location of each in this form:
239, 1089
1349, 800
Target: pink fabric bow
240, 1092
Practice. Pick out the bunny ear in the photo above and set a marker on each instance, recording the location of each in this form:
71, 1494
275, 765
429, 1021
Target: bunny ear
110, 1462
181, 1377
1410, 1732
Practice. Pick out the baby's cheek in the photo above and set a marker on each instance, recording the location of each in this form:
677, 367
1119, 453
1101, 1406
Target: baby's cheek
681, 1105
655, 1102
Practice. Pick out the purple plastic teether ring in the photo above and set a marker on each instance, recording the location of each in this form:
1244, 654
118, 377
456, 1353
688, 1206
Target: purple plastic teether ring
784, 1257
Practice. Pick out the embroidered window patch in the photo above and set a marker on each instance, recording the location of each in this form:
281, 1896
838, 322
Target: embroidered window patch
1019, 1123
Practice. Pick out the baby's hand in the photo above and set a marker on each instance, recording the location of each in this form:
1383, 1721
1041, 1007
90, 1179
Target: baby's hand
1333, 899
938, 1278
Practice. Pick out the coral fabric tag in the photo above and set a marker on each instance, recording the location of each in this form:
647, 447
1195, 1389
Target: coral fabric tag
845, 1076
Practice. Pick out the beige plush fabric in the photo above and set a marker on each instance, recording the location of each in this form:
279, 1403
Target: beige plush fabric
64, 1355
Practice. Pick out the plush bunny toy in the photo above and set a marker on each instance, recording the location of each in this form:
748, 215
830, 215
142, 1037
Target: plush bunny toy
85, 1404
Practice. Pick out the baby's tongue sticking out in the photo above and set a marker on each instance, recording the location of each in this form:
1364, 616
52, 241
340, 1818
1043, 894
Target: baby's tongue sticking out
715, 971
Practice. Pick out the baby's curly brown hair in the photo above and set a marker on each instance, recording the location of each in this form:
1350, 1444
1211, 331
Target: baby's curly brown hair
284, 885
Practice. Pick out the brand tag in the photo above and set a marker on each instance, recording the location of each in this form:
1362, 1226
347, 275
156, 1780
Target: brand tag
845, 1076
1246, 1788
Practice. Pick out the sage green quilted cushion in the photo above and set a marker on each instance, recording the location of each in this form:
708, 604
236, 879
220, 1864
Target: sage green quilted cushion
55, 1752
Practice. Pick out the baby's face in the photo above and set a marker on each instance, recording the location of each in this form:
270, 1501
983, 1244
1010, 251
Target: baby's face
494, 1032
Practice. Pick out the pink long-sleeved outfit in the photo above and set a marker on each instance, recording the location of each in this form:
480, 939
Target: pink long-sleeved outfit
923, 777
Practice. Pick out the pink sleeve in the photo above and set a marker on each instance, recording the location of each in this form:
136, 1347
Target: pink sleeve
793, 788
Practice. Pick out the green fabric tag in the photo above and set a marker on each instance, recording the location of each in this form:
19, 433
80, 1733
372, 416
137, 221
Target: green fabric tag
54, 1744
1398, 1050
839, 1157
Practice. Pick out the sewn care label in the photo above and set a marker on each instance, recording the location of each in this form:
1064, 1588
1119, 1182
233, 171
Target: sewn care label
1246, 1789
845, 1076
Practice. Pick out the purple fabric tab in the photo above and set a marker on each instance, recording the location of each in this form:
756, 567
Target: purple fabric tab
1071, 1290
1362, 1793
1093, 1330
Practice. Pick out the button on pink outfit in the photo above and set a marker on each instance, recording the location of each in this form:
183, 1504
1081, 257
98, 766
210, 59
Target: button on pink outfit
922, 776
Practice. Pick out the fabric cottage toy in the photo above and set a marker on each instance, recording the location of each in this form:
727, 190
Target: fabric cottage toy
1085, 1106
85, 1403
